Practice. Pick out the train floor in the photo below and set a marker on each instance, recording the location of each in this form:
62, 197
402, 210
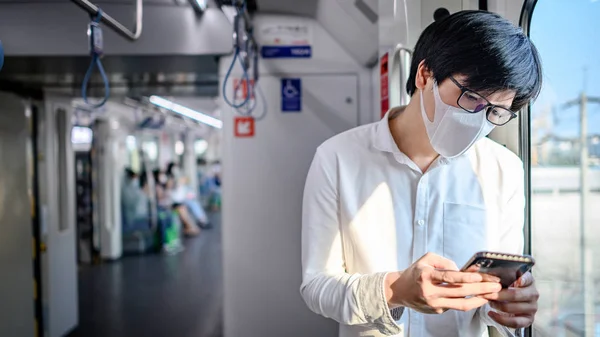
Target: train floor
156, 295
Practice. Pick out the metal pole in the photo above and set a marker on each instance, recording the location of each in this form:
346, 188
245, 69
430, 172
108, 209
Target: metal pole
525, 140
115, 25
586, 254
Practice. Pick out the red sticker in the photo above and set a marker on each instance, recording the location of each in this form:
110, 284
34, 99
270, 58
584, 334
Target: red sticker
384, 84
244, 127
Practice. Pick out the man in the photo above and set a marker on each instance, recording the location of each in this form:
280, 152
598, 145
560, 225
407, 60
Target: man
393, 209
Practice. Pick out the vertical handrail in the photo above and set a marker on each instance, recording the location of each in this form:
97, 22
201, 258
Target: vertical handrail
525, 140
399, 68
115, 25
525, 129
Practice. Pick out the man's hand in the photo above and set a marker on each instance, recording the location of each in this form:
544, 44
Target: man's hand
434, 284
518, 303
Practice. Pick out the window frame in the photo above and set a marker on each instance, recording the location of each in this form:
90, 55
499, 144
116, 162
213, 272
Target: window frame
525, 139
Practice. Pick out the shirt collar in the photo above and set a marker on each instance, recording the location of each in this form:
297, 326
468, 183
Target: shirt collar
383, 140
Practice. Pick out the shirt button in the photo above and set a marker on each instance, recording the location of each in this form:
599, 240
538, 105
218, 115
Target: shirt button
420, 222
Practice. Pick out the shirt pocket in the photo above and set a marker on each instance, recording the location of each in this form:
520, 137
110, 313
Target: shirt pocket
465, 231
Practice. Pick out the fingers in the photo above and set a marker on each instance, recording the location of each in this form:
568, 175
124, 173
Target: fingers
490, 278
529, 294
511, 321
473, 269
449, 276
461, 304
444, 265
519, 308
524, 281
438, 262
469, 289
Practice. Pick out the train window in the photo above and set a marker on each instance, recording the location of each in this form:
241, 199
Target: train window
179, 148
151, 150
133, 155
565, 217
81, 135
131, 143
81, 138
200, 147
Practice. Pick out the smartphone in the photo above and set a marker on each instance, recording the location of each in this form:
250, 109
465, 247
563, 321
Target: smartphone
508, 267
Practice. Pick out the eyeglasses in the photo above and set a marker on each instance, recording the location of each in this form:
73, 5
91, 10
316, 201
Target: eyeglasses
473, 102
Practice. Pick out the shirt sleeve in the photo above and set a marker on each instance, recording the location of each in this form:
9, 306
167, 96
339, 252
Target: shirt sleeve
327, 289
511, 241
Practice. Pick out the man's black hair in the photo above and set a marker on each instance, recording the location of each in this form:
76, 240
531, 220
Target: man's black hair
170, 167
156, 176
143, 179
129, 173
489, 50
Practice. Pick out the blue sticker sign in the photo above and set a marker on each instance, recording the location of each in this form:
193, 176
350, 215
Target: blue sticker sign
291, 95
271, 52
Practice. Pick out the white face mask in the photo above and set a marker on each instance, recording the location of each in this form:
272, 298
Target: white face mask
454, 130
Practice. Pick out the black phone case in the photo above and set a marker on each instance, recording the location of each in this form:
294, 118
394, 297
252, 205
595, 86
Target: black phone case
508, 267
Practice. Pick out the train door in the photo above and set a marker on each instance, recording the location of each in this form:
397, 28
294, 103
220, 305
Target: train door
16, 260
57, 199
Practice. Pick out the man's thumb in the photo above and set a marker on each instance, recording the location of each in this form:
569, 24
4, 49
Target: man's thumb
525, 281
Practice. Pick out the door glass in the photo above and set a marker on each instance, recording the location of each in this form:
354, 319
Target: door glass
179, 152
150, 148
133, 155
200, 147
566, 208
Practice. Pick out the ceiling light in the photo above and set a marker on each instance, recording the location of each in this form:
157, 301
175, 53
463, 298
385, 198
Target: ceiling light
187, 112
199, 5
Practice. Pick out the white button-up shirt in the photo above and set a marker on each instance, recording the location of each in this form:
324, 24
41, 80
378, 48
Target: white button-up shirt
368, 209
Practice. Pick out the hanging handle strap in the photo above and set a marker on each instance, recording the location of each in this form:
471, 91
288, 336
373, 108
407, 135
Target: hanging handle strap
96, 41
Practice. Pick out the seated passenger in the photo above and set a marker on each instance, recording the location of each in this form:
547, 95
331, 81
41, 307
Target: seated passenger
203, 180
187, 195
134, 204
215, 191
160, 181
176, 197
168, 224
210, 184
192, 202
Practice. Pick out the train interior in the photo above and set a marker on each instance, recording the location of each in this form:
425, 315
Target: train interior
121, 118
